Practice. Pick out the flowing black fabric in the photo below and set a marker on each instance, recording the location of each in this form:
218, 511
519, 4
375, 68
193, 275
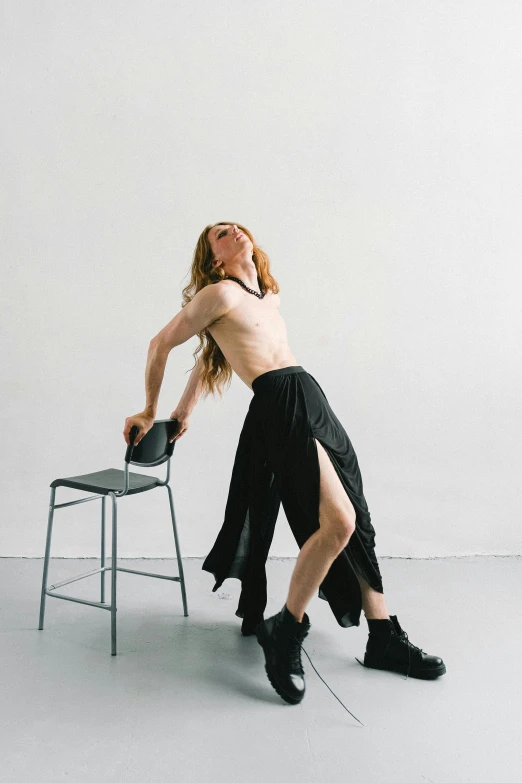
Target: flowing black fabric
277, 462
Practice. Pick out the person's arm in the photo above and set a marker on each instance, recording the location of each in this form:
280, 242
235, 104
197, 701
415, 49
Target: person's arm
209, 304
155, 370
192, 391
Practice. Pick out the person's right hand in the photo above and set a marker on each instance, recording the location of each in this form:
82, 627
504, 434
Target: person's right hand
142, 420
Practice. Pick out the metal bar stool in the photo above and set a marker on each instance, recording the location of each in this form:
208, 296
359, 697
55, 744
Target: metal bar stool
153, 449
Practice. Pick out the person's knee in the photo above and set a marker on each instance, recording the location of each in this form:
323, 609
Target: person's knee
345, 530
336, 512
337, 527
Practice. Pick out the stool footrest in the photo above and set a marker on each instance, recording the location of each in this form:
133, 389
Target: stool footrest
75, 578
145, 573
109, 568
78, 600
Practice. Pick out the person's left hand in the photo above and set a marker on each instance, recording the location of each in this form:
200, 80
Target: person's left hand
183, 423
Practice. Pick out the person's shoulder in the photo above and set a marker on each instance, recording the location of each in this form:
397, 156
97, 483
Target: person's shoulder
216, 285
227, 288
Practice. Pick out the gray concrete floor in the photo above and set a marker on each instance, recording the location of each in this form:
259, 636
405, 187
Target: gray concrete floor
187, 698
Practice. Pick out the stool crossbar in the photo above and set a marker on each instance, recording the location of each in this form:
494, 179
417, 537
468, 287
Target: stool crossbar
153, 449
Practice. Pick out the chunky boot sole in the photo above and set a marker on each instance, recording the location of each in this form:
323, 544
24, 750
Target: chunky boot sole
264, 640
421, 674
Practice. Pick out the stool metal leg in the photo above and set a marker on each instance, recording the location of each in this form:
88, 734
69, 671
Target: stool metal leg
102, 558
46, 558
178, 553
114, 571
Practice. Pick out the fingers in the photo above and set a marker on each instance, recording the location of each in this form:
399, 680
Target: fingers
126, 434
141, 433
182, 430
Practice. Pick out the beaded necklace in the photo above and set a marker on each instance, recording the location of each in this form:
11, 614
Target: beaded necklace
250, 291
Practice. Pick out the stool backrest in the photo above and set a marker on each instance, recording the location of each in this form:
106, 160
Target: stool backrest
154, 448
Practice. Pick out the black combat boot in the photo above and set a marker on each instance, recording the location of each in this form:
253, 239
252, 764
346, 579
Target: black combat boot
389, 648
280, 637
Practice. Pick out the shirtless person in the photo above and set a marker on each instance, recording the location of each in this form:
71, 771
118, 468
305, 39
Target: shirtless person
237, 306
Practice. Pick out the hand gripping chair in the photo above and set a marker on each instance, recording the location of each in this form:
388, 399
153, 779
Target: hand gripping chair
153, 449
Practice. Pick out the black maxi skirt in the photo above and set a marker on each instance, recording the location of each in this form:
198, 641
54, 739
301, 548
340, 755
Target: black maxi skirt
277, 462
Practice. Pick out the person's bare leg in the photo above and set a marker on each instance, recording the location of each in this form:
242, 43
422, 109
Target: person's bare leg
313, 563
373, 603
314, 560
337, 523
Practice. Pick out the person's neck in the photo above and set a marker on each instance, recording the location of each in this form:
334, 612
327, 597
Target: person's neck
245, 271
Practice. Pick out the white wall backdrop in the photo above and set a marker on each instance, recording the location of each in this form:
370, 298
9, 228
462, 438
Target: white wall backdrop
372, 148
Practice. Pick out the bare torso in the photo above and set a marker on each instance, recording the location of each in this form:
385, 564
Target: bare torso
252, 334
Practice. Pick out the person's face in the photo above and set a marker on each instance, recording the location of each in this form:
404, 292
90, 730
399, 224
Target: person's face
228, 243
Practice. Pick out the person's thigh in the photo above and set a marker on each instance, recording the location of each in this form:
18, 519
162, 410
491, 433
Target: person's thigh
336, 512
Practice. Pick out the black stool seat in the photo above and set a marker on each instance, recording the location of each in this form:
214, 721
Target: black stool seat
110, 480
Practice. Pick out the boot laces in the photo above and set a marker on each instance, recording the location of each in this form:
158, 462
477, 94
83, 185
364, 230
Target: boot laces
293, 655
404, 638
297, 652
412, 646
